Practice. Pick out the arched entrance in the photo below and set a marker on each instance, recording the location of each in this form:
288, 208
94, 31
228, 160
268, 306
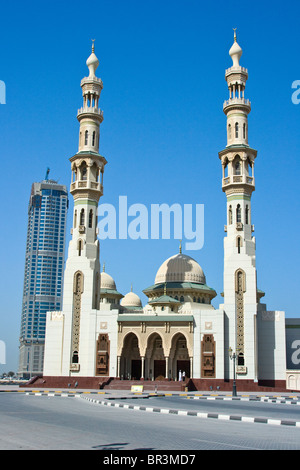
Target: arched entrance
155, 358
179, 358
131, 364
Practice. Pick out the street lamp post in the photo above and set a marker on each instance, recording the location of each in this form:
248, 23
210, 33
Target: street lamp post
232, 356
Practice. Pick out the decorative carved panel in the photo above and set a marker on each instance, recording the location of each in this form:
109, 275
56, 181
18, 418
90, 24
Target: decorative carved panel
240, 287
208, 356
102, 355
77, 291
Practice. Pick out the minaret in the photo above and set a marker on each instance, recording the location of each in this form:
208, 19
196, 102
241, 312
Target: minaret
82, 274
240, 292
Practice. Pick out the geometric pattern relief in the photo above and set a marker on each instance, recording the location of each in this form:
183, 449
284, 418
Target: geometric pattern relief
208, 356
77, 291
240, 339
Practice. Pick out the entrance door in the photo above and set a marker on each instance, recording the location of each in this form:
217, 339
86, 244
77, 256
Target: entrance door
184, 366
159, 369
136, 369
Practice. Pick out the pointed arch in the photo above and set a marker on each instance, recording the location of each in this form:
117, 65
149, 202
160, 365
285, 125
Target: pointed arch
230, 215
236, 126
81, 222
238, 213
91, 214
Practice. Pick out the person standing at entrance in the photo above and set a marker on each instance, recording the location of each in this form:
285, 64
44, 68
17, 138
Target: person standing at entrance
180, 376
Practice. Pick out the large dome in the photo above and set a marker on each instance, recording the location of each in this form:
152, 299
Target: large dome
180, 268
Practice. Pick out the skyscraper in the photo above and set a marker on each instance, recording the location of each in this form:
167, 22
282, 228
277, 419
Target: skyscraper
44, 268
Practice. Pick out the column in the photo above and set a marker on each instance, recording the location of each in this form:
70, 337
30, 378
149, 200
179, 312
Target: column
143, 367
191, 367
167, 367
118, 366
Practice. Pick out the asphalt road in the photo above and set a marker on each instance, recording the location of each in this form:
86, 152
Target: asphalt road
67, 423
288, 411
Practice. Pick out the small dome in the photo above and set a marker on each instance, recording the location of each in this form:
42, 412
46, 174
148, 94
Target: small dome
92, 63
235, 52
131, 300
107, 282
180, 268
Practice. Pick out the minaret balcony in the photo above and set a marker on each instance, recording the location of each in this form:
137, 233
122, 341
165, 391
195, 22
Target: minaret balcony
238, 179
235, 103
87, 185
91, 110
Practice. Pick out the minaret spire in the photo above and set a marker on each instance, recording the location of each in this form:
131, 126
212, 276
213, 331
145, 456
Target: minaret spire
234, 35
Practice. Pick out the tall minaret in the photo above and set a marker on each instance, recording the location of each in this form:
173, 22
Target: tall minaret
82, 274
240, 291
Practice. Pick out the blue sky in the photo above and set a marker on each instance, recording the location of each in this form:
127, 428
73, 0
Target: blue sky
162, 64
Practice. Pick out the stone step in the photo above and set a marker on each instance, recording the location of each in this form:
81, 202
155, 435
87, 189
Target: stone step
148, 385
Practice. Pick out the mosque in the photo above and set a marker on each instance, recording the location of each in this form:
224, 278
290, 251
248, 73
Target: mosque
102, 338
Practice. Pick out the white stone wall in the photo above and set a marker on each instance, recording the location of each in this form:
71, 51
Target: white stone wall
53, 344
271, 345
209, 322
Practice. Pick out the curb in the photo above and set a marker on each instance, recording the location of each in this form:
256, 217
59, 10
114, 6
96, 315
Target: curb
247, 419
282, 400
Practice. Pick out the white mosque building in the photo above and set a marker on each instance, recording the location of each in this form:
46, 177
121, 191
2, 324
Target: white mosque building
101, 337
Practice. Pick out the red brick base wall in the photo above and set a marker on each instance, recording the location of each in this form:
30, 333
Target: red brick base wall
241, 385
192, 384
68, 382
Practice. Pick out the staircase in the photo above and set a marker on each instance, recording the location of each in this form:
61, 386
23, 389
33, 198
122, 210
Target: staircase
148, 385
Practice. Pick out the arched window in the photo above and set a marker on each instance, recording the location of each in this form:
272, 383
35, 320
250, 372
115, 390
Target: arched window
79, 247
230, 215
194, 299
244, 131
75, 357
86, 137
94, 135
81, 217
237, 167
238, 214
83, 172
236, 130
240, 359
238, 242
229, 131
247, 215
91, 219
182, 299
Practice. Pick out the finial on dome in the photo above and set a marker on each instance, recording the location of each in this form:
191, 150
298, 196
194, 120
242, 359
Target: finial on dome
235, 51
180, 249
103, 268
131, 288
92, 62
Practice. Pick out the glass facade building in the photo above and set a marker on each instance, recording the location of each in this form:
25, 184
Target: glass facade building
44, 270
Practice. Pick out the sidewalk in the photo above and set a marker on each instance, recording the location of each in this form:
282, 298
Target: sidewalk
129, 394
